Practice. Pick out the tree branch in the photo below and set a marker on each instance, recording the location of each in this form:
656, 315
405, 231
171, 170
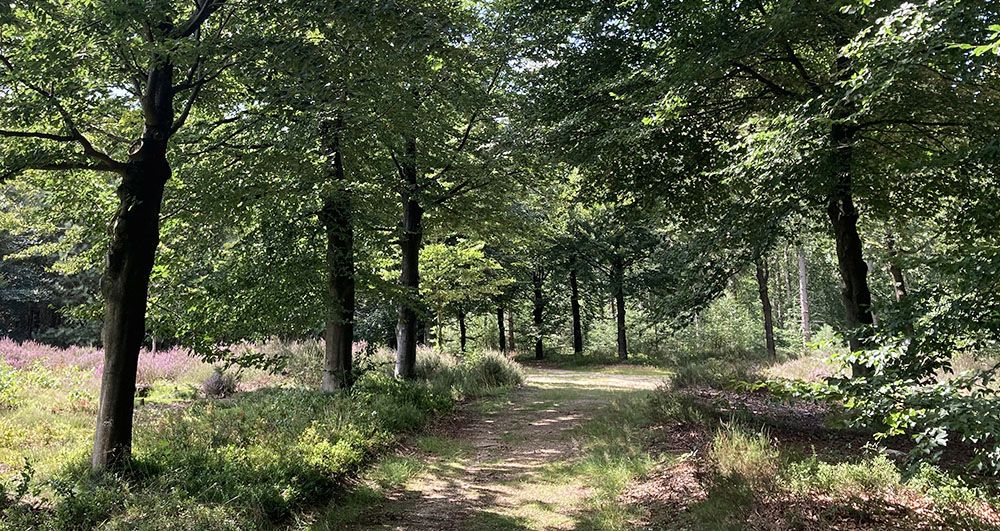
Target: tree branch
464, 140
801, 69
189, 85
186, 111
44, 136
776, 88
203, 10
88, 148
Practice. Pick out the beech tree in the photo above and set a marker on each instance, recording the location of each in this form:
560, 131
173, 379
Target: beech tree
116, 111
441, 108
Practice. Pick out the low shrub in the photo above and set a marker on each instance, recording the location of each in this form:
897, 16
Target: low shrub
665, 406
486, 372
246, 463
10, 388
431, 363
748, 456
710, 372
220, 384
948, 492
871, 476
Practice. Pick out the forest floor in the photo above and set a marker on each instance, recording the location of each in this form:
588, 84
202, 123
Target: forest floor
613, 448
516, 462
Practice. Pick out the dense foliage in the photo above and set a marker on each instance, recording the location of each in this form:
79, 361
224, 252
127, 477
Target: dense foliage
639, 179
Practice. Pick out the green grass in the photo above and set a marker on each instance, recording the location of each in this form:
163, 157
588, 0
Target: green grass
614, 453
490, 521
637, 364
747, 467
749, 456
442, 447
257, 460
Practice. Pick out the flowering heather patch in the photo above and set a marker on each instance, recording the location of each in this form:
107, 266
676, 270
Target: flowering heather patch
28, 354
166, 364
163, 365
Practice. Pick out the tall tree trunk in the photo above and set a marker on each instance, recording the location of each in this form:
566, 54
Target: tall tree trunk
125, 285
574, 301
804, 294
501, 333
538, 313
135, 236
895, 271
462, 331
763, 275
843, 216
510, 330
409, 277
618, 286
898, 280
336, 217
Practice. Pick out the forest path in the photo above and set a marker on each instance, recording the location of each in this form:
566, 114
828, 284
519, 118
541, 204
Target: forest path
508, 464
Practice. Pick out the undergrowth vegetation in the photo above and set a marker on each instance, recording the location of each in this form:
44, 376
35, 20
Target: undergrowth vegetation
733, 465
220, 458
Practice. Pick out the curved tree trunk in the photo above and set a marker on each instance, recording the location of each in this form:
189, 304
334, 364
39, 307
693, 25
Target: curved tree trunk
501, 333
336, 217
574, 301
409, 276
135, 235
843, 215
763, 275
538, 313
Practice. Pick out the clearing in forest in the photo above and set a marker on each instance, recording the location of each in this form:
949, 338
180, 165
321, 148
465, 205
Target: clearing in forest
522, 462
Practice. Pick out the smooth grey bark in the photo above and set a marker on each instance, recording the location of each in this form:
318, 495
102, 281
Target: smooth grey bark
763, 276
338, 225
409, 276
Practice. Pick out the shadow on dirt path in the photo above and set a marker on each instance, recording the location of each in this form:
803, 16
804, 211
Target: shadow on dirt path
503, 477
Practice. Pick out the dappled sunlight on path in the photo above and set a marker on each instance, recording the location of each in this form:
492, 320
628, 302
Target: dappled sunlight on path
514, 471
